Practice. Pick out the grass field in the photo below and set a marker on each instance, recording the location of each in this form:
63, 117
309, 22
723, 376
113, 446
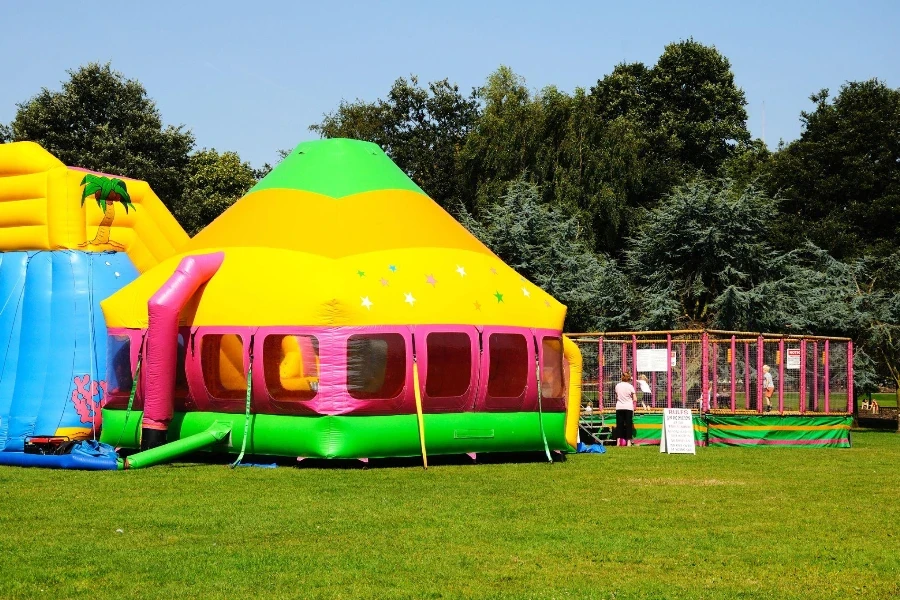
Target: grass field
727, 523
889, 399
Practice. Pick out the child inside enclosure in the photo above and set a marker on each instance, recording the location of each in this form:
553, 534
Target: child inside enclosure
644, 387
626, 400
768, 387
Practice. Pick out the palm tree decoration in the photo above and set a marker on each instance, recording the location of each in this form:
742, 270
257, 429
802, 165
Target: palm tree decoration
107, 191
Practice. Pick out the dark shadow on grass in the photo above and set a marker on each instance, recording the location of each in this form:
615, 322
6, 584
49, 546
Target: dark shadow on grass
413, 462
885, 430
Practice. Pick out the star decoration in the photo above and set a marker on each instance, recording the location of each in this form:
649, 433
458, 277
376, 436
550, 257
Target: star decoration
477, 305
498, 296
461, 271
526, 292
547, 303
361, 273
392, 268
384, 281
367, 303
493, 270
409, 299
431, 280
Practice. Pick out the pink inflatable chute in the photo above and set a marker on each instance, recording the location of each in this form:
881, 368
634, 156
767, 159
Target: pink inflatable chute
162, 340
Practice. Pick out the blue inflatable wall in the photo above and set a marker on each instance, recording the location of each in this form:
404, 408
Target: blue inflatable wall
53, 341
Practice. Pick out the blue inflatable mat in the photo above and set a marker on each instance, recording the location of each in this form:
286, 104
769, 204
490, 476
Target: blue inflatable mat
85, 456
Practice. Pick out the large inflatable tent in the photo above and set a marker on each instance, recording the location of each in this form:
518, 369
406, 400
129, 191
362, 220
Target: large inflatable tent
337, 311
59, 257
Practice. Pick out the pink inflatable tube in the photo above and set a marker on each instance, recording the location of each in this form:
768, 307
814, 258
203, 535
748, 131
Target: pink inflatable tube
162, 341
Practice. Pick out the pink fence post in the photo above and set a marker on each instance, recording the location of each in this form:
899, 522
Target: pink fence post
634, 365
815, 376
759, 374
624, 356
683, 375
653, 383
704, 370
781, 362
850, 376
714, 390
827, 377
600, 365
802, 376
668, 370
746, 375
733, 373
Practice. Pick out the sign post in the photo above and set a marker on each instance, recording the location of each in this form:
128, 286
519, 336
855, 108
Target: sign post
677, 432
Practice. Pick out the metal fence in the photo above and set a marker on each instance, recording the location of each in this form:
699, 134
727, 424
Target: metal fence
719, 371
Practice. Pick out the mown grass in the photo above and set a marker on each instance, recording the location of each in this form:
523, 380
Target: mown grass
884, 398
727, 523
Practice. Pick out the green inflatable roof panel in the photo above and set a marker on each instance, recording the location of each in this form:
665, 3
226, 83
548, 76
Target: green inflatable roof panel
337, 168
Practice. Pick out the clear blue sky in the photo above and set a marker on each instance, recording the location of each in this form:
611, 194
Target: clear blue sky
252, 76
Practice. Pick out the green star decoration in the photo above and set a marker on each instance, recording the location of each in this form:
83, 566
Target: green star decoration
498, 296
361, 273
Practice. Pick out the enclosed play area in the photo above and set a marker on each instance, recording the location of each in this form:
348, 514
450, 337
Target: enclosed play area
335, 311
720, 376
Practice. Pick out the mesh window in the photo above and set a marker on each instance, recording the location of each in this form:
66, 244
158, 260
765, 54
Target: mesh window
291, 366
376, 366
118, 365
222, 362
837, 377
449, 364
181, 384
552, 383
791, 361
508, 374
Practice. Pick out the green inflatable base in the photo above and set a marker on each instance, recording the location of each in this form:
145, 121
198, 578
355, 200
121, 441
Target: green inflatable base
820, 431
817, 431
356, 436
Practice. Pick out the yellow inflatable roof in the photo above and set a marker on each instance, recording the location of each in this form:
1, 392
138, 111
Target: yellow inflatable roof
41, 209
339, 235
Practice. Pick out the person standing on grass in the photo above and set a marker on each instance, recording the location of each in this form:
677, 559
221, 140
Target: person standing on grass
768, 387
626, 400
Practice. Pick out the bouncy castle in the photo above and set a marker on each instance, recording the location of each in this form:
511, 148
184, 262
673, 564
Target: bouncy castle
59, 257
335, 311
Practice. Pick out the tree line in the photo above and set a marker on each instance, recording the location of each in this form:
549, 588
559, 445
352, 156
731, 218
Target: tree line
641, 201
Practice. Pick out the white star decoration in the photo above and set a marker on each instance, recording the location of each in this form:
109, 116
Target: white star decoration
526, 292
409, 299
367, 303
461, 271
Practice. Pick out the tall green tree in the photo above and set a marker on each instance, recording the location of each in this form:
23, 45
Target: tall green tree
690, 111
580, 163
546, 246
694, 103
503, 144
422, 129
5, 134
840, 182
695, 256
214, 182
102, 121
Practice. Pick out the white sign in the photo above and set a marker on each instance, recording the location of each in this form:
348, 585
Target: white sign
793, 359
652, 361
677, 432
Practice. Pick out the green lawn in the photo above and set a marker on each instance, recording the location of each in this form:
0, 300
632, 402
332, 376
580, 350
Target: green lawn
727, 523
889, 399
